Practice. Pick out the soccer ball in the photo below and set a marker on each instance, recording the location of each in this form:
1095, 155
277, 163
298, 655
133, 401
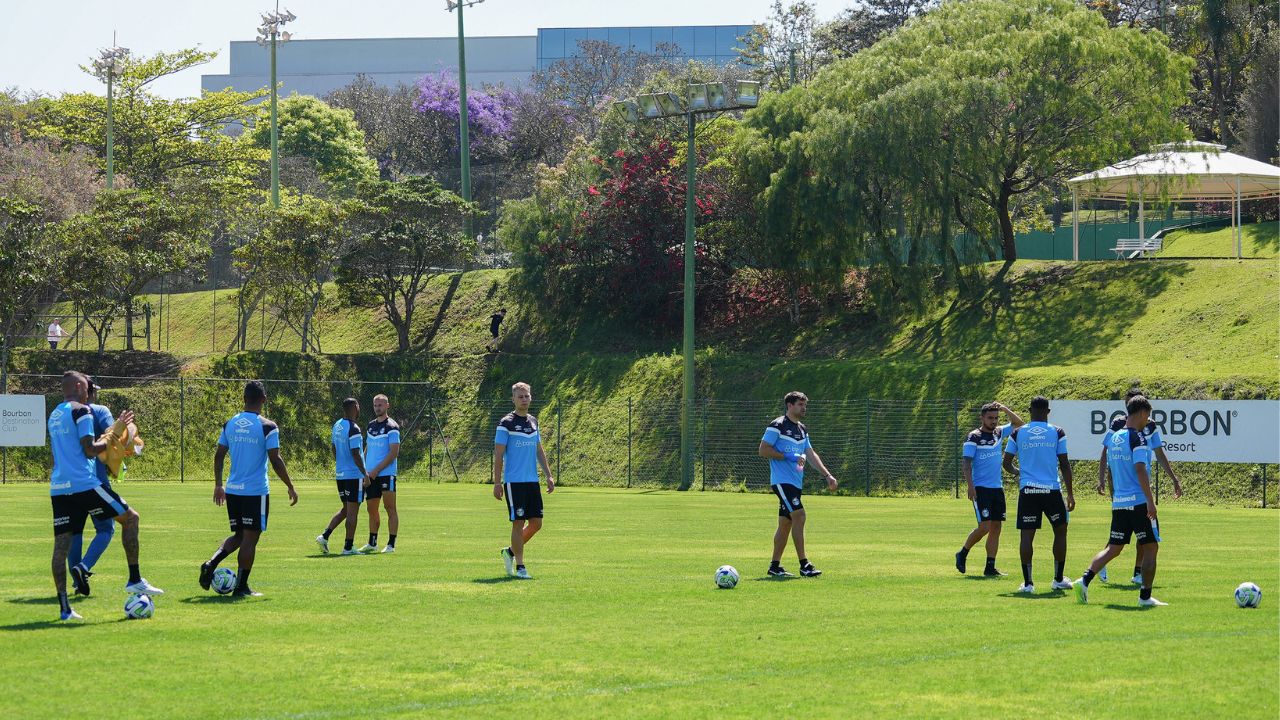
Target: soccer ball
1248, 595
139, 607
726, 577
224, 581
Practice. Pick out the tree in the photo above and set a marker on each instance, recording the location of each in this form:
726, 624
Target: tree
405, 234
1258, 122
291, 260
860, 27
29, 264
324, 136
60, 182
1225, 37
769, 47
950, 122
129, 239
400, 139
600, 73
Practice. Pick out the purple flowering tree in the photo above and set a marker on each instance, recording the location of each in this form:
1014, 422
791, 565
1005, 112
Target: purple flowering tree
490, 112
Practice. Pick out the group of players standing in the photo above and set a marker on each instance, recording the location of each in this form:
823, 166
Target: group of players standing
1040, 450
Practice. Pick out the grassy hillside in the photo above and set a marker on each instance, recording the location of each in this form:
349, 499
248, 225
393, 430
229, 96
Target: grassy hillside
1261, 240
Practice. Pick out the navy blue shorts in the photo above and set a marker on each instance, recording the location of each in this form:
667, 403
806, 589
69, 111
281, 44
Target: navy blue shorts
248, 512
788, 499
71, 511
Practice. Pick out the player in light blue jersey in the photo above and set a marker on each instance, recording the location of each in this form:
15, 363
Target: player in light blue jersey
1133, 510
787, 446
382, 460
981, 465
81, 563
517, 454
348, 460
76, 493
252, 441
1041, 450
1151, 431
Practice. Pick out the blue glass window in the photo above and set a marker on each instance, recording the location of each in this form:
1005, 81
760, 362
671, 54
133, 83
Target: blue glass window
642, 39
571, 38
726, 40
597, 33
551, 43
704, 41
683, 38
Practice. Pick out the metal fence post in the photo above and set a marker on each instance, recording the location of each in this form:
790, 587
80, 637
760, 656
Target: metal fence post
1264, 484
704, 444
629, 450
955, 414
431, 461
182, 430
559, 447
866, 458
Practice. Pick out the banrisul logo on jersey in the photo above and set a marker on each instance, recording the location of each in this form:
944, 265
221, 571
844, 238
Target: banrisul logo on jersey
1238, 431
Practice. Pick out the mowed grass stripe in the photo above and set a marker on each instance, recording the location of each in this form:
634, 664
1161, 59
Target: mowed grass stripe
623, 618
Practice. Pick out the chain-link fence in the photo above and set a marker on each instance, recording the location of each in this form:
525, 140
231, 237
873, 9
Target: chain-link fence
874, 447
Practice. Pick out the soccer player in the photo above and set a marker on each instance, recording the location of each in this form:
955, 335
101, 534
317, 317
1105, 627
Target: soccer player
381, 459
1155, 441
1041, 450
348, 457
252, 440
1132, 509
81, 563
495, 322
75, 492
517, 454
981, 465
786, 445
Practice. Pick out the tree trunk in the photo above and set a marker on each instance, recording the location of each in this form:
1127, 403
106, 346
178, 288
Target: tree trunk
128, 324
1006, 229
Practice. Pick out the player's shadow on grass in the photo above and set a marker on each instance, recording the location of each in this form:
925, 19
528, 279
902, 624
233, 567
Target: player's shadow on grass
1051, 595
496, 580
53, 624
770, 578
1130, 608
37, 600
220, 599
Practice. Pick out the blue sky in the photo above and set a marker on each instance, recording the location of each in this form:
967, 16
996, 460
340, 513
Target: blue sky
42, 44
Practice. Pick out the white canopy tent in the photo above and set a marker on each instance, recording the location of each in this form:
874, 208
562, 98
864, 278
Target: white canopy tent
1177, 172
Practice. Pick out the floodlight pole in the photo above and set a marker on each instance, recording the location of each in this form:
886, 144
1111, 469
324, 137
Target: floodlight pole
464, 140
686, 420
275, 128
111, 171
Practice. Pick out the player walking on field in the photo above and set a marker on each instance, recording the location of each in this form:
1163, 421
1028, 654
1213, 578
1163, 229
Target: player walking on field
981, 464
252, 440
81, 563
348, 458
76, 493
787, 447
517, 454
1132, 509
1041, 450
381, 460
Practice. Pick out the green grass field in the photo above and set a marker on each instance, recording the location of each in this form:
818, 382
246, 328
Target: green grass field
623, 619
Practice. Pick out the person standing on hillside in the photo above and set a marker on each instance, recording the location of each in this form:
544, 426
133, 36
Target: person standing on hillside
495, 322
981, 453
55, 334
348, 458
252, 440
1041, 450
517, 453
787, 447
381, 458
81, 563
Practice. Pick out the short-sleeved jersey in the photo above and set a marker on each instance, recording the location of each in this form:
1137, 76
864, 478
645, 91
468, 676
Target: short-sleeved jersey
102, 421
984, 449
72, 471
346, 437
521, 437
382, 435
1151, 432
1127, 448
248, 436
786, 436
495, 320
1037, 446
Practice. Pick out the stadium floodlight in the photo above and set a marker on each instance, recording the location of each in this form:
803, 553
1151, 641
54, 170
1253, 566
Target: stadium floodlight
670, 103
107, 66
629, 109
747, 93
464, 135
706, 96
649, 106
270, 35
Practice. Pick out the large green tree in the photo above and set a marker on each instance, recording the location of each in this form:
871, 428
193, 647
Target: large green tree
955, 121
29, 265
405, 233
327, 137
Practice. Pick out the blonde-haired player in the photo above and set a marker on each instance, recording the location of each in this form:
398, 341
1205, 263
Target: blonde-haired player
517, 453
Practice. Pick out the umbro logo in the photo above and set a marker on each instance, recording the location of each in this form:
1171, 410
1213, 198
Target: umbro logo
1038, 430
243, 422
55, 415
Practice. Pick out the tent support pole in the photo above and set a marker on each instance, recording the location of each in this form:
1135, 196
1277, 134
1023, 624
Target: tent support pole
1075, 224
1142, 220
1239, 218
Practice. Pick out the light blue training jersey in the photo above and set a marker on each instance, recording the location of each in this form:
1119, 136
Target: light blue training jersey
247, 437
382, 435
347, 437
789, 438
1127, 448
72, 471
521, 437
102, 421
1037, 446
983, 448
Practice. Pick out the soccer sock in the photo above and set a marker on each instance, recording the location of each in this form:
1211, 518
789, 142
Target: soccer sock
1057, 571
1137, 570
1087, 577
135, 575
804, 563
519, 567
64, 603
346, 545
964, 552
1026, 573
775, 564
391, 541
242, 579
373, 538
991, 563
1145, 592
327, 533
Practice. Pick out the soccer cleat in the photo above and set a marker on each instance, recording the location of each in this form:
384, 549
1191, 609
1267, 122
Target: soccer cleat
142, 587
509, 559
1102, 574
366, 548
350, 551
1136, 580
80, 578
1027, 589
810, 571
69, 616
993, 572
388, 549
780, 572
323, 542
1082, 592
960, 562
206, 575
245, 591
523, 574
1151, 602
1063, 584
